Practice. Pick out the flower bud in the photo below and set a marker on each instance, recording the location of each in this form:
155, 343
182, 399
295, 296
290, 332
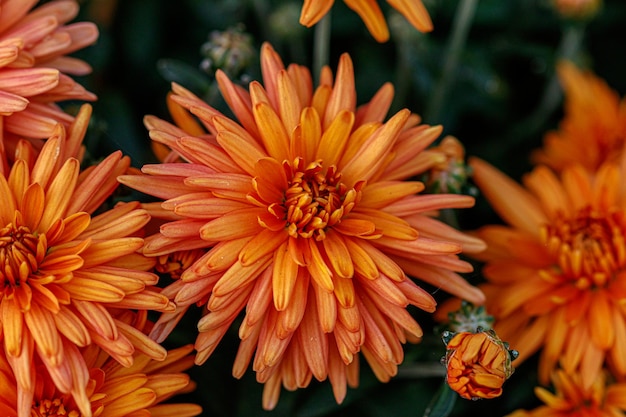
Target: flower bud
477, 364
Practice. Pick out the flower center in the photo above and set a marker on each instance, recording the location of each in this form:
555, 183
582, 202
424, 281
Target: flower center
20, 254
590, 248
52, 408
316, 199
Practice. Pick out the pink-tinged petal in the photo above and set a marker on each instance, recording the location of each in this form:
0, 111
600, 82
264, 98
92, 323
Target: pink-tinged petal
30, 123
69, 65
41, 325
410, 157
239, 145
208, 154
223, 185
271, 66
11, 103
447, 281
160, 187
234, 225
435, 229
343, 96
28, 82
98, 183
428, 203
314, 342
238, 276
203, 208
239, 101
377, 108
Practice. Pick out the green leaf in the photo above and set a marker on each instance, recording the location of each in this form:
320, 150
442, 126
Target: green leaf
442, 403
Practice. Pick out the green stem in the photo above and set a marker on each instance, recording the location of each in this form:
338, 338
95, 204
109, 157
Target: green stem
321, 46
460, 28
422, 370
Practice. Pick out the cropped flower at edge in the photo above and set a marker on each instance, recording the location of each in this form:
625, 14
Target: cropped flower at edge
371, 14
557, 271
309, 223
112, 389
604, 398
65, 273
35, 69
593, 128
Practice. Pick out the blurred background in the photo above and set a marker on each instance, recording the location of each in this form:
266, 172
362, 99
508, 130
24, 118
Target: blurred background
496, 93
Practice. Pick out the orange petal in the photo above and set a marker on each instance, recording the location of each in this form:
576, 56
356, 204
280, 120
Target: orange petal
372, 16
313, 11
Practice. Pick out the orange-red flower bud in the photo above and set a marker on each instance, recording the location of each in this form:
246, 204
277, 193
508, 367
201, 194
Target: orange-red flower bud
477, 364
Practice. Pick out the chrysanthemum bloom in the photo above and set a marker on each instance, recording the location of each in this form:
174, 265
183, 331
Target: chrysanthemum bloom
557, 271
310, 224
571, 398
63, 270
112, 389
35, 69
371, 14
593, 128
478, 363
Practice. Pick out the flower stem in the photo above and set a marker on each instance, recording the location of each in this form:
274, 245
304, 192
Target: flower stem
422, 370
460, 28
321, 46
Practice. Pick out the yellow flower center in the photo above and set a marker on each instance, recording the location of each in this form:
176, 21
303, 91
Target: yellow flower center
590, 248
20, 254
315, 200
52, 408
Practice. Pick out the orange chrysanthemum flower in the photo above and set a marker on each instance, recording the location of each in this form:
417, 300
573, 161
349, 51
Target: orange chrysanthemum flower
34, 67
371, 14
63, 270
310, 224
593, 129
111, 389
557, 272
478, 363
573, 399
